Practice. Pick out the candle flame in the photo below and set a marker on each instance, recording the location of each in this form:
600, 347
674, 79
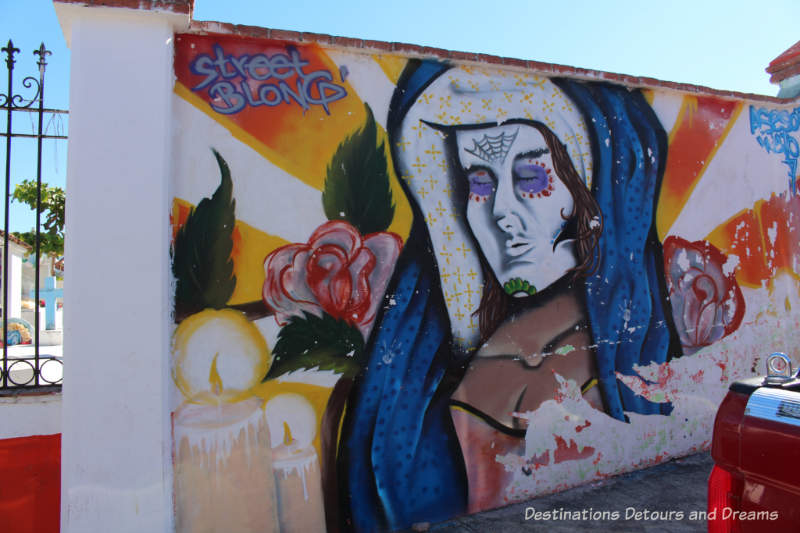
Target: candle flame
214, 378
287, 434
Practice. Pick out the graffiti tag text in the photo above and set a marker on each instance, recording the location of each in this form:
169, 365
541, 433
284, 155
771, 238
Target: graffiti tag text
234, 82
772, 128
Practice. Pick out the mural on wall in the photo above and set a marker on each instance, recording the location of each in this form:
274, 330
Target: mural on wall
410, 289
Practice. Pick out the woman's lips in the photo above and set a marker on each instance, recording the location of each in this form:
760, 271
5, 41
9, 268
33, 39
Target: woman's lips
517, 247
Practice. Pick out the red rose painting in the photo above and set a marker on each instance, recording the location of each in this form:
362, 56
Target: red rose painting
707, 303
338, 271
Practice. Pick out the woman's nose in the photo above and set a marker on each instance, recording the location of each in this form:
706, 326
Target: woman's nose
505, 209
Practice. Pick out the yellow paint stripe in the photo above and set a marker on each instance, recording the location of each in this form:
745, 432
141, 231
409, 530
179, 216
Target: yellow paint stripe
391, 65
248, 263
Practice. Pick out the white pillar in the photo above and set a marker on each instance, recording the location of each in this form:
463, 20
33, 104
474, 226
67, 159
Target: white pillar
116, 469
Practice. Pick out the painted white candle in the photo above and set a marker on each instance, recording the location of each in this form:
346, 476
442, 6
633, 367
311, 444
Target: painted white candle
298, 483
224, 479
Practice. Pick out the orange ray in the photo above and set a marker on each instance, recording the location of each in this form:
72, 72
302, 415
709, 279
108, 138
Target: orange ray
741, 235
703, 124
766, 238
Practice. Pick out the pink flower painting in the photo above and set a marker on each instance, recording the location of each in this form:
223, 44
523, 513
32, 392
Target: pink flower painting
338, 271
707, 303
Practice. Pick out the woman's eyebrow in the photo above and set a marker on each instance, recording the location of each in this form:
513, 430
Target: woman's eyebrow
533, 154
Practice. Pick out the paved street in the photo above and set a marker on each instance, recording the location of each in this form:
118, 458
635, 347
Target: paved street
677, 486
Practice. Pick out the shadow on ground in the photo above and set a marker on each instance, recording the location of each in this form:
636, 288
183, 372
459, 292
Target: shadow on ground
679, 486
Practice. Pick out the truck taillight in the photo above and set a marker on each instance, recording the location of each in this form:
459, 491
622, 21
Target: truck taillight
724, 492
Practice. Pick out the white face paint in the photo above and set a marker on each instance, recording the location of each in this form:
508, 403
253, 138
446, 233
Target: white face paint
517, 205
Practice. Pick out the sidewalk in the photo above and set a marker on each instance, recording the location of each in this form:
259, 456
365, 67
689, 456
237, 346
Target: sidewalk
678, 486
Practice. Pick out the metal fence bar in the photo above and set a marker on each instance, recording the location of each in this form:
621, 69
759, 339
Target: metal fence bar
30, 136
42, 52
10, 51
46, 109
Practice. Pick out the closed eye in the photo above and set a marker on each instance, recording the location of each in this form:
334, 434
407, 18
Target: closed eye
531, 177
481, 180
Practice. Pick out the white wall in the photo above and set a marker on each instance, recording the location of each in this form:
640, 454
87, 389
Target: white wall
116, 445
27, 415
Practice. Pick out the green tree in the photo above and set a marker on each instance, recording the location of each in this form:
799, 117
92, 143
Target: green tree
51, 241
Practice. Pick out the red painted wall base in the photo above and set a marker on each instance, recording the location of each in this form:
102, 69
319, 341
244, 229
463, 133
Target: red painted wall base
30, 484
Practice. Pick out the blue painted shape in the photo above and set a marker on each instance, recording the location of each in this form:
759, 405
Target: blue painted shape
49, 295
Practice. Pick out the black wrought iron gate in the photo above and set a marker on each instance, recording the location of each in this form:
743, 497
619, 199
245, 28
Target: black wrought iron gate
23, 372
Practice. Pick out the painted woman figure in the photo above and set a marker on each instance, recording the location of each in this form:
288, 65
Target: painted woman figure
532, 253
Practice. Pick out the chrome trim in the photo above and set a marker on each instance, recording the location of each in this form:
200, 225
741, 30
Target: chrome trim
777, 405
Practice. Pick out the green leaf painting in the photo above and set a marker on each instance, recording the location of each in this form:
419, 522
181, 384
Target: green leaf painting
357, 185
311, 341
201, 255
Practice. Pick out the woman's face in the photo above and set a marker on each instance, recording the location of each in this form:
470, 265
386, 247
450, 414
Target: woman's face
517, 205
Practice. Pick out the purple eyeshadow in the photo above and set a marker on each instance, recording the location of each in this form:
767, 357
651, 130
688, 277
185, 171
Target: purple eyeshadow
530, 177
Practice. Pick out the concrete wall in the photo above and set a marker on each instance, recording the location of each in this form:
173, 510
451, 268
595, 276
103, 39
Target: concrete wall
398, 285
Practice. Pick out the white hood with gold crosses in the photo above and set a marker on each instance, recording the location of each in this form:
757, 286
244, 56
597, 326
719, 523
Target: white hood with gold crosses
473, 95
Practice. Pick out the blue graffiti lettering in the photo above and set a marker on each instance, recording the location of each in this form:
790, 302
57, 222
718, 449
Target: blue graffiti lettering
772, 129
203, 66
326, 91
265, 90
221, 62
273, 74
226, 91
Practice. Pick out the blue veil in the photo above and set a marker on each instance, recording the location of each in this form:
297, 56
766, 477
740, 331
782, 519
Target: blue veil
625, 298
399, 459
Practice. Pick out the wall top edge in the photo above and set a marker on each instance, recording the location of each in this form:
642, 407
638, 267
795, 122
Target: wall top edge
785, 73
789, 58
182, 7
174, 12
411, 50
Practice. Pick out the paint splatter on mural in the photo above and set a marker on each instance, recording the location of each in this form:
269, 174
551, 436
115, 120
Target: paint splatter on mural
410, 289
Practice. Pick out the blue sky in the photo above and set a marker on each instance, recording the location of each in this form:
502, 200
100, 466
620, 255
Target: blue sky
720, 44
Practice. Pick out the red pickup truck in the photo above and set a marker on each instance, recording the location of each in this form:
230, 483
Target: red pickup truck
755, 483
